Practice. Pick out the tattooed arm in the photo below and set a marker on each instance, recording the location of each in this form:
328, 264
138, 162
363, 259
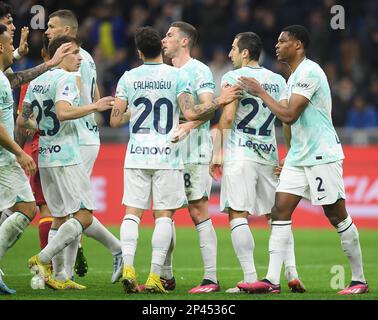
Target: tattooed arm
26, 125
18, 78
202, 111
26, 117
120, 113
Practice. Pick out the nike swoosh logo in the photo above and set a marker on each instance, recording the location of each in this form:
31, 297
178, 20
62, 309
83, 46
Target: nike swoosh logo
321, 198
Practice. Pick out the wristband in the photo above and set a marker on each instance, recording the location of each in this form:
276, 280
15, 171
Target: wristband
16, 55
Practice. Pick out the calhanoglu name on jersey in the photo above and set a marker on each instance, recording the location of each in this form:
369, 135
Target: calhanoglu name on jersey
150, 150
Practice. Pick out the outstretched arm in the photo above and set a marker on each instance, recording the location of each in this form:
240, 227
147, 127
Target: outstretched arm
18, 78
184, 129
202, 111
287, 114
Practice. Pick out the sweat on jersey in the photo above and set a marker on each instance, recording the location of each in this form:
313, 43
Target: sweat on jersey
197, 146
313, 137
87, 126
58, 141
252, 135
151, 92
7, 120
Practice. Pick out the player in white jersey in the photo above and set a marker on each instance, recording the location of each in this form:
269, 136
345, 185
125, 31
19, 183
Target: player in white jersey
154, 94
15, 191
313, 166
54, 98
196, 151
250, 156
64, 22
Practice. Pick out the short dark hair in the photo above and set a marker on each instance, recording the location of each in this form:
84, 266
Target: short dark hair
300, 33
58, 41
2, 29
250, 41
68, 16
5, 9
188, 30
148, 41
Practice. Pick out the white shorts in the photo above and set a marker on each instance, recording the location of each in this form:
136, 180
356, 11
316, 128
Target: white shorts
14, 186
247, 186
322, 184
197, 181
89, 155
164, 187
66, 189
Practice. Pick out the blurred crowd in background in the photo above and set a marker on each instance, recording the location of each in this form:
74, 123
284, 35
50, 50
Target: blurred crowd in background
349, 57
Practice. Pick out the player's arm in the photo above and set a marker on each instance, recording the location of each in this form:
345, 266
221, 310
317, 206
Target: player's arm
184, 128
224, 126
120, 113
18, 78
26, 125
287, 139
193, 112
65, 111
25, 161
97, 95
25, 119
289, 114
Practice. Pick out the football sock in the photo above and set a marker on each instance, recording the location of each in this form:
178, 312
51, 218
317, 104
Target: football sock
278, 243
167, 269
351, 245
70, 253
67, 233
208, 246
58, 259
4, 215
243, 243
11, 230
289, 260
44, 226
98, 232
129, 238
161, 239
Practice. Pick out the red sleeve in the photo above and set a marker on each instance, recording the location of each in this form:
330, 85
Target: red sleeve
23, 90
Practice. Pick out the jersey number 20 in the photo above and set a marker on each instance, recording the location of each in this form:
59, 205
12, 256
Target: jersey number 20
156, 109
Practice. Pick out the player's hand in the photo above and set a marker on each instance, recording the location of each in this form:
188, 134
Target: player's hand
229, 94
104, 103
278, 168
23, 48
251, 85
215, 169
60, 53
27, 163
181, 132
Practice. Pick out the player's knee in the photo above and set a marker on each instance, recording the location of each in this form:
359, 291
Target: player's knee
279, 213
30, 210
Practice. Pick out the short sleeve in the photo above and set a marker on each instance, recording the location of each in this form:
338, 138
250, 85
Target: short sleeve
66, 89
228, 79
121, 91
283, 90
204, 81
307, 84
183, 84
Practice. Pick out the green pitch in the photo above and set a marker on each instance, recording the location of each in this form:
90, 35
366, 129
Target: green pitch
317, 251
